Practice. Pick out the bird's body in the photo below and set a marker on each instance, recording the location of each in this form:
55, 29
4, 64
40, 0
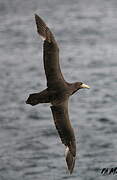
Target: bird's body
57, 92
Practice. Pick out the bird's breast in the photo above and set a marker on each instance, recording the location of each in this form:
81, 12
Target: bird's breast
57, 95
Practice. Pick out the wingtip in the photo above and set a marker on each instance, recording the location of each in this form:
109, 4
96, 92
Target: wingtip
36, 16
70, 160
41, 28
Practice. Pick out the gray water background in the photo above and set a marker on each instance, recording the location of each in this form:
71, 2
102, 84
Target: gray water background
86, 31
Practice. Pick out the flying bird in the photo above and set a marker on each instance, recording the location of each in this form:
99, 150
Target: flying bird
57, 92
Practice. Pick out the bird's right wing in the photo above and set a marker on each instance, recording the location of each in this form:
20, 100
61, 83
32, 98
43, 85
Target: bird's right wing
50, 53
66, 133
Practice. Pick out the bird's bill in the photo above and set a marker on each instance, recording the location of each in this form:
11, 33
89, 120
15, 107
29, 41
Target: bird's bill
85, 86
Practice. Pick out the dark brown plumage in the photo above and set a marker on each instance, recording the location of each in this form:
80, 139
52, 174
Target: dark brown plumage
57, 93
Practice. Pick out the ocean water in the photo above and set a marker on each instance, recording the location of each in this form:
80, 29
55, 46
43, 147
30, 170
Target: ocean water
87, 35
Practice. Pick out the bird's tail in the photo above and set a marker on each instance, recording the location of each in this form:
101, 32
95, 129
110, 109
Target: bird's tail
43, 30
36, 98
70, 159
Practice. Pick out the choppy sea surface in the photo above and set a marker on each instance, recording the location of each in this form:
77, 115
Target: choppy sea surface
86, 31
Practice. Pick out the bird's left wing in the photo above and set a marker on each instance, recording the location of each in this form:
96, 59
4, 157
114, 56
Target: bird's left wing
65, 131
50, 53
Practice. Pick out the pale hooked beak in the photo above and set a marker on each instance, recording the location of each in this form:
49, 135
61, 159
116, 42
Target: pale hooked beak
84, 86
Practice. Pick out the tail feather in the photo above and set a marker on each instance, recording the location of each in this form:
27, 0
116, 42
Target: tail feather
70, 160
36, 98
33, 99
42, 29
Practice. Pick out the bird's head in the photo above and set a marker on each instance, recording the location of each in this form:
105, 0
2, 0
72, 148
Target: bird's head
79, 85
